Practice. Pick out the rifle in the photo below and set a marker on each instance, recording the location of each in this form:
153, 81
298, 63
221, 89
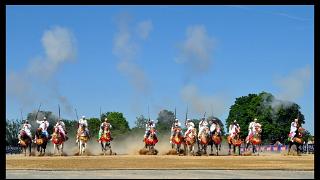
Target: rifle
175, 116
59, 111
21, 115
76, 114
148, 114
186, 116
37, 113
100, 114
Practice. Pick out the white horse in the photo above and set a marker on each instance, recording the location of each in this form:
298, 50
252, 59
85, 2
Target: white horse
83, 138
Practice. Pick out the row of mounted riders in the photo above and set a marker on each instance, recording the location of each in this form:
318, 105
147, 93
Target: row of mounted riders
188, 141
58, 140
207, 138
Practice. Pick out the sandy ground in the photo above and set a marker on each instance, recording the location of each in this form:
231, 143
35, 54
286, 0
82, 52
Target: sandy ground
128, 158
263, 161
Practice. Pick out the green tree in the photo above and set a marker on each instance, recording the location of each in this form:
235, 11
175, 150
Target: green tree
164, 121
120, 125
12, 130
94, 126
141, 122
274, 115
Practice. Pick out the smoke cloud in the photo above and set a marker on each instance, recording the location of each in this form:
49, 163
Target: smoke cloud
196, 50
291, 88
126, 47
30, 85
294, 85
144, 29
203, 103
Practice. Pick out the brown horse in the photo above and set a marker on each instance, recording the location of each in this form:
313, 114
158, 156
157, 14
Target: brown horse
235, 142
216, 140
41, 142
151, 141
190, 140
204, 140
58, 141
297, 140
254, 140
106, 140
25, 142
177, 139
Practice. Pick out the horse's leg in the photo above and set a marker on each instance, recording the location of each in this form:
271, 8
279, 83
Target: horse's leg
229, 153
289, 147
217, 149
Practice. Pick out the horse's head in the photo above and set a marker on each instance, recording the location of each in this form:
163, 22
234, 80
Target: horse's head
56, 129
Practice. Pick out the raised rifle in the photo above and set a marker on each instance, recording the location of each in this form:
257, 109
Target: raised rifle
100, 114
186, 117
37, 113
59, 111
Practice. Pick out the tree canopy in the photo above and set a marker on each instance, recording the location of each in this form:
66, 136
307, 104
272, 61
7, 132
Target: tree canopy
274, 115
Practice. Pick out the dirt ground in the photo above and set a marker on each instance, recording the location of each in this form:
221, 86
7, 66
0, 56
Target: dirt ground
96, 162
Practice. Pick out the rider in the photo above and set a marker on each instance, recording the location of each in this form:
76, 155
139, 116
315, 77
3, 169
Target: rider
175, 125
106, 123
293, 129
190, 126
252, 128
62, 128
203, 124
150, 124
82, 122
234, 129
27, 128
214, 127
44, 124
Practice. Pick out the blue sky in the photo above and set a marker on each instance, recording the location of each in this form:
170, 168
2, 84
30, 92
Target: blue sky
122, 58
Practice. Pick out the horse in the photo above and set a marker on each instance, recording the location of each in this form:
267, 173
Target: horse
297, 140
25, 142
41, 142
190, 140
105, 140
216, 140
254, 140
177, 139
204, 140
235, 141
83, 138
151, 141
57, 141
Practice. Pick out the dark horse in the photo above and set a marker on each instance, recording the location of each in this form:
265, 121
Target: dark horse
25, 142
216, 140
235, 141
106, 140
177, 139
297, 140
41, 142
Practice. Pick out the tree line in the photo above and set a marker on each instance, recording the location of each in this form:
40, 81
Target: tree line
275, 120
